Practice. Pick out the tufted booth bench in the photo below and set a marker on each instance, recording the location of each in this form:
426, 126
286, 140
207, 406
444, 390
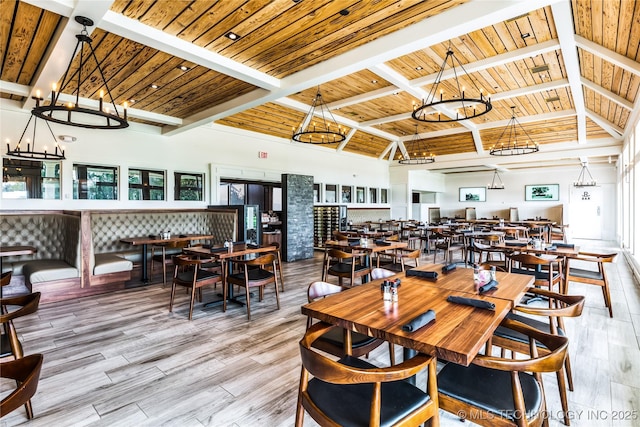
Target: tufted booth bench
55, 235
109, 255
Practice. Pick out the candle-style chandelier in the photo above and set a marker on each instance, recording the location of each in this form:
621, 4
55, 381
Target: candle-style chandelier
582, 178
467, 103
72, 113
496, 182
418, 152
319, 126
511, 146
25, 148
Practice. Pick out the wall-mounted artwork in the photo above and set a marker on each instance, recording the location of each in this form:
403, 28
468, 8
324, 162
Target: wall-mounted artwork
473, 194
542, 192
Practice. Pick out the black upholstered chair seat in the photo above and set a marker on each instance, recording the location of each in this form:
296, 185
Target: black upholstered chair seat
539, 275
503, 332
345, 268
187, 276
254, 274
586, 274
489, 389
336, 337
350, 404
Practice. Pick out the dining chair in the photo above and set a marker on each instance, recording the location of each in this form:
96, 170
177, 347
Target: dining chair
346, 265
562, 306
351, 391
188, 273
446, 243
26, 373
497, 391
545, 270
596, 276
342, 342
382, 273
398, 259
339, 236
559, 232
167, 251
254, 273
278, 263
10, 345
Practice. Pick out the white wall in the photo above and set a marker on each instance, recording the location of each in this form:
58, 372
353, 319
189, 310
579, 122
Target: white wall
217, 151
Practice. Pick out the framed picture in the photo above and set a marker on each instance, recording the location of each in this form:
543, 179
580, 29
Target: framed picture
542, 192
473, 194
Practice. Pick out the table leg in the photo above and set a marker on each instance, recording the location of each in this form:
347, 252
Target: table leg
145, 277
408, 353
226, 267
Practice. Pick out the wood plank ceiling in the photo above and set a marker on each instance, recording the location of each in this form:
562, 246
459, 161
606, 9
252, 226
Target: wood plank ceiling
569, 69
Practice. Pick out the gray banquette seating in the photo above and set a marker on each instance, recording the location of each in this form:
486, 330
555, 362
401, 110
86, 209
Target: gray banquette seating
56, 236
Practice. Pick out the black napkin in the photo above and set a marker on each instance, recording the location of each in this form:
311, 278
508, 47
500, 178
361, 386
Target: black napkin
448, 267
564, 245
215, 250
206, 246
381, 243
354, 243
419, 321
552, 248
422, 274
487, 287
252, 246
153, 236
478, 303
182, 236
519, 244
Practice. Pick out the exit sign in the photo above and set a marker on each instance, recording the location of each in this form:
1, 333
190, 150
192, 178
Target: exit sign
263, 154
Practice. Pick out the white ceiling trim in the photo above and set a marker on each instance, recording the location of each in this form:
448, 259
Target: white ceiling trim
493, 61
528, 90
563, 17
609, 95
608, 55
610, 128
136, 31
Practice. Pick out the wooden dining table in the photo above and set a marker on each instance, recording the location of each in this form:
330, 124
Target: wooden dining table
226, 257
456, 335
145, 241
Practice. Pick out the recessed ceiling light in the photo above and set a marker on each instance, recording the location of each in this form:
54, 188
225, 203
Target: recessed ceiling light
232, 36
131, 101
418, 68
154, 86
183, 68
374, 81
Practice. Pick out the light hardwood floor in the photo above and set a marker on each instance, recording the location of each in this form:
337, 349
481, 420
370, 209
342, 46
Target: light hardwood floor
122, 359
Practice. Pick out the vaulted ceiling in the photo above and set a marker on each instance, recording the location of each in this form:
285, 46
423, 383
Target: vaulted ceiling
569, 69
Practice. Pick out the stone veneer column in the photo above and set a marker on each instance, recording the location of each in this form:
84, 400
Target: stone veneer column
297, 203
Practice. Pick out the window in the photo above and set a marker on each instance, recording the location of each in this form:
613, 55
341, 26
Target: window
188, 186
373, 195
146, 184
346, 194
316, 193
359, 194
30, 179
383, 195
95, 182
330, 193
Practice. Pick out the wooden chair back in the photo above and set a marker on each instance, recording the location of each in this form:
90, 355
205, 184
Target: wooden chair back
26, 372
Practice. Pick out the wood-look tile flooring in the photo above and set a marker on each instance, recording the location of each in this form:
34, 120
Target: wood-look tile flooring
122, 359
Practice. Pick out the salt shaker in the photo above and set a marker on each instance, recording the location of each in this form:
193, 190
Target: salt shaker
394, 292
386, 291
476, 277
493, 273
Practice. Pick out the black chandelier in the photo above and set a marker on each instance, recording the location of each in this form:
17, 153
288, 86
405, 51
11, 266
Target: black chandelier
496, 182
26, 148
582, 178
421, 153
457, 97
73, 114
319, 126
511, 146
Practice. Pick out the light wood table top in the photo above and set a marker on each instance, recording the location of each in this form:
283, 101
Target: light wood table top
371, 247
154, 240
16, 250
457, 334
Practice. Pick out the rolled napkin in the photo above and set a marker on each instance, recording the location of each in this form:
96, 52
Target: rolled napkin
448, 267
214, 250
153, 236
564, 245
252, 246
478, 303
419, 321
552, 248
487, 287
182, 236
381, 242
519, 244
422, 274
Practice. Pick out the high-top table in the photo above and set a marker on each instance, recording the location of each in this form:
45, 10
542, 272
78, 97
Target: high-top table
144, 241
